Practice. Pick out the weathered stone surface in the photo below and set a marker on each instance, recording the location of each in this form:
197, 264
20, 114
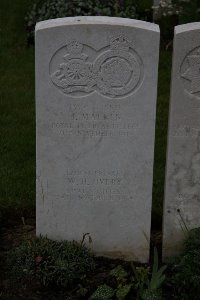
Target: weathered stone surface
96, 84
182, 191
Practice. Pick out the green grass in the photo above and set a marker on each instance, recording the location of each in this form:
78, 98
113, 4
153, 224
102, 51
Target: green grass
17, 120
161, 136
17, 109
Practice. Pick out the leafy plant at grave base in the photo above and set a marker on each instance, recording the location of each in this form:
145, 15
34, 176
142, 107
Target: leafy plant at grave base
119, 273
122, 290
157, 278
186, 270
125, 283
103, 292
140, 279
193, 240
123, 286
51, 262
137, 282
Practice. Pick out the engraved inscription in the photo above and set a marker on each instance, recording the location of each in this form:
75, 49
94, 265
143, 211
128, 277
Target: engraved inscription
185, 131
96, 185
114, 71
100, 123
81, 128
91, 130
190, 72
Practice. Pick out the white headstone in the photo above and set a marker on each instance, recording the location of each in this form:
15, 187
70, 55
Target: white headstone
96, 84
182, 191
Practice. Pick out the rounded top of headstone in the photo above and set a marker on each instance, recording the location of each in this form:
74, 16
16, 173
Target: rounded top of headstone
96, 20
187, 27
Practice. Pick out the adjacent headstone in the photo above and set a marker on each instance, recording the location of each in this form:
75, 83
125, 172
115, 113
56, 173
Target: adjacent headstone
182, 191
96, 84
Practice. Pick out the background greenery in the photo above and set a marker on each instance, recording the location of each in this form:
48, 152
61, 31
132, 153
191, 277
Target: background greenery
17, 109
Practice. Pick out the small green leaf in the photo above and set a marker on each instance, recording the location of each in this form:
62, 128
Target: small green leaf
103, 292
82, 291
123, 291
119, 273
155, 261
157, 276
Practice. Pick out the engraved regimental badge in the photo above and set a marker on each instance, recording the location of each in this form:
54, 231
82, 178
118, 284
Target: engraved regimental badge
190, 72
114, 71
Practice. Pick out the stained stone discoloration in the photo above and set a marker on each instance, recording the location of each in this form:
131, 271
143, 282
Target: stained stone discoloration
182, 190
96, 83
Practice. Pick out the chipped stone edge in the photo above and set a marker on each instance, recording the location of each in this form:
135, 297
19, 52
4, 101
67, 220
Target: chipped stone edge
95, 21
